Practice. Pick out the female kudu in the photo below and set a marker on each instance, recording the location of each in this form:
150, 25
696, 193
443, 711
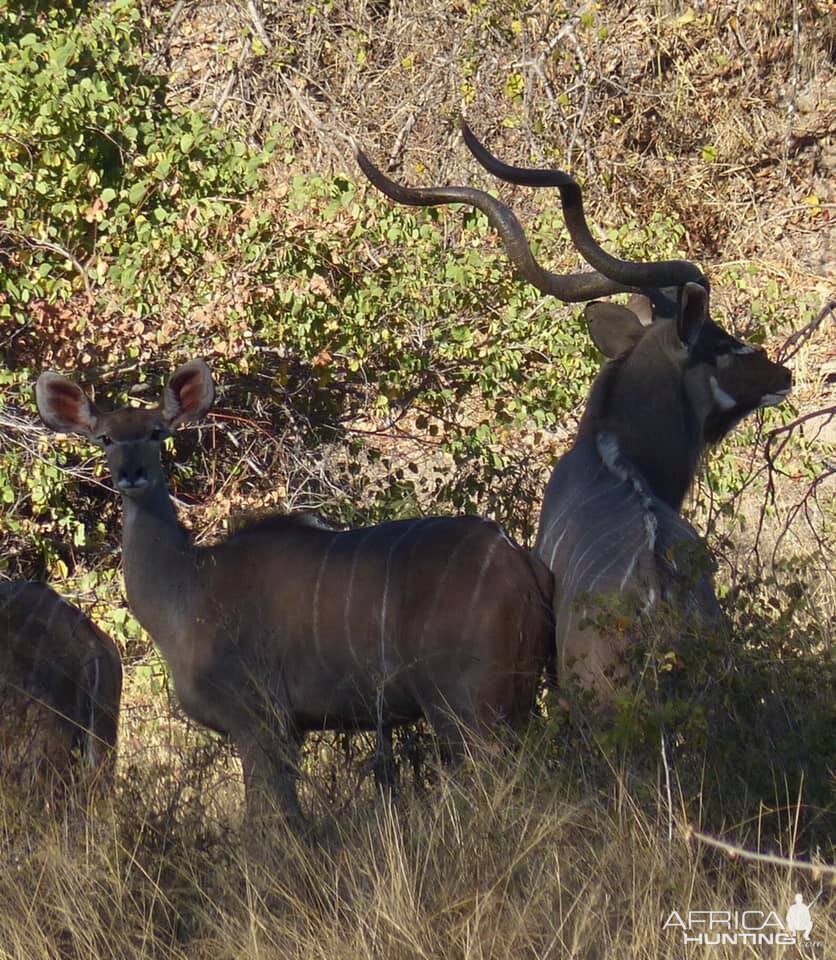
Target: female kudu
60, 686
289, 626
676, 382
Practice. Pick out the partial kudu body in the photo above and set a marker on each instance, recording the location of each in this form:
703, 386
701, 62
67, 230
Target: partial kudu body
289, 626
610, 524
60, 686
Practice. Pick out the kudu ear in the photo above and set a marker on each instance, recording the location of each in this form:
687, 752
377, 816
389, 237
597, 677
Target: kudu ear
188, 394
64, 406
614, 329
693, 312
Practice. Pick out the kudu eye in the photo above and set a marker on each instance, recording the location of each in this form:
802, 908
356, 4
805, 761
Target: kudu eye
104, 440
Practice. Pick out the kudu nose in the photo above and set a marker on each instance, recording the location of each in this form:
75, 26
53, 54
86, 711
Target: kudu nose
783, 381
132, 479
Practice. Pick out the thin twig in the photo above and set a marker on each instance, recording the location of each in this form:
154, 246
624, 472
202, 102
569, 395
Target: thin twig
798, 338
53, 248
733, 851
226, 93
164, 45
669, 797
258, 24
404, 132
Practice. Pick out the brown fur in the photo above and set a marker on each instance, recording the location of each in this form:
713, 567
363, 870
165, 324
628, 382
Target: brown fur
61, 680
290, 626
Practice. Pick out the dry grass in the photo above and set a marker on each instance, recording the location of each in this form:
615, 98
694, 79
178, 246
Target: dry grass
505, 860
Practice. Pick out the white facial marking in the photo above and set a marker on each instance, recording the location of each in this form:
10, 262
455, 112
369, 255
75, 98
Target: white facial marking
742, 350
723, 400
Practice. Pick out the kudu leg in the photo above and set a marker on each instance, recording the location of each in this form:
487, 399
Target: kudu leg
383, 765
270, 772
455, 731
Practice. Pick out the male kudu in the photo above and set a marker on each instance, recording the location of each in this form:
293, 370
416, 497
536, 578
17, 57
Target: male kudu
610, 524
289, 626
60, 686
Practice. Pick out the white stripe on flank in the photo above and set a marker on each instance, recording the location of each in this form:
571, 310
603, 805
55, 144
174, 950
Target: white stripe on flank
55, 610
556, 545
615, 559
439, 585
570, 504
315, 612
576, 571
501, 532
90, 752
385, 601
482, 571
569, 581
572, 577
629, 571
350, 591
573, 507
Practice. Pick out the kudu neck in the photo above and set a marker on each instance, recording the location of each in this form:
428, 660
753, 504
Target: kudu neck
654, 425
159, 562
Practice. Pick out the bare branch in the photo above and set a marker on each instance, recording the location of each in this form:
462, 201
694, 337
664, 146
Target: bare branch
258, 24
733, 851
799, 337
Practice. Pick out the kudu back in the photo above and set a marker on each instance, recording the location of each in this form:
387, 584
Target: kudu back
60, 688
289, 626
610, 525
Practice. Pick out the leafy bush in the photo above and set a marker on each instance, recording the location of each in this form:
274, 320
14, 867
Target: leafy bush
100, 179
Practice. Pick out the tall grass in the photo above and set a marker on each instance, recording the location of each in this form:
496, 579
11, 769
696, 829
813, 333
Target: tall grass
507, 858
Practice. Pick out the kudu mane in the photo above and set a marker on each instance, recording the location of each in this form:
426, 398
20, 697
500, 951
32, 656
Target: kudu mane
267, 523
658, 434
